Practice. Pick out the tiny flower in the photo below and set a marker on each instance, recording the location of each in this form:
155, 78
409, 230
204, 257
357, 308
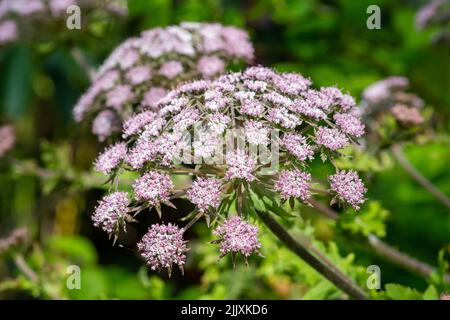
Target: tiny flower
218, 122
333, 139
252, 107
240, 166
348, 187
153, 187
142, 152
237, 236
349, 124
185, 119
319, 99
163, 246
282, 117
152, 97
111, 158
294, 184
306, 108
205, 144
111, 213
108, 80
138, 74
256, 132
277, 99
105, 124
205, 193
210, 66
296, 145
291, 83
118, 96
134, 124
128, 59
171, 69
256, 85
407, 115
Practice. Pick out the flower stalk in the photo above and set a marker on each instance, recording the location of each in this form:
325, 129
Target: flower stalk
332, 274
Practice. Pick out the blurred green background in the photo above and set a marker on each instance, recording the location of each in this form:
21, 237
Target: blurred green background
326, 40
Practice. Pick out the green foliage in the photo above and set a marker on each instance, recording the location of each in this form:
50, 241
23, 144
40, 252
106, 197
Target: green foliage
370, 220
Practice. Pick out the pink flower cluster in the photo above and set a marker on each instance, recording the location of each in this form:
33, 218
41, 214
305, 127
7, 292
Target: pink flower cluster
111, 212
389, 95
163, 246
257, 103
294, 184
407, 115
153, 187
240, 166
111, 158
237, 236
348, 188
139, 72
205, 193
297, 145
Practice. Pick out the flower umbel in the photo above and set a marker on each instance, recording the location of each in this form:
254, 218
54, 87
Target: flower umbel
205, 193
163, 246
348, 188
112, 212
237, 236
139, 72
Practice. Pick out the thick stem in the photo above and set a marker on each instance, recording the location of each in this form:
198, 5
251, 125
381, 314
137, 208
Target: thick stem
401, 259
333, 274
384, 250
416, 175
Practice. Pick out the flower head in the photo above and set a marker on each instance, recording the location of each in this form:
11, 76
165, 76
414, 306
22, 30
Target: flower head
386, 99
240, 166
138, 73
294, 184
349, 124
237, 236
407, 115
331, 138
163, 246
297, 145
205, 193
348, 188
153, 187
111, 158
111, 212
105, 124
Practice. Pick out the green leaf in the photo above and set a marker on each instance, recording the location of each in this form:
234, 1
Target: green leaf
431, 293
399, 292
371, 220
78, 249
